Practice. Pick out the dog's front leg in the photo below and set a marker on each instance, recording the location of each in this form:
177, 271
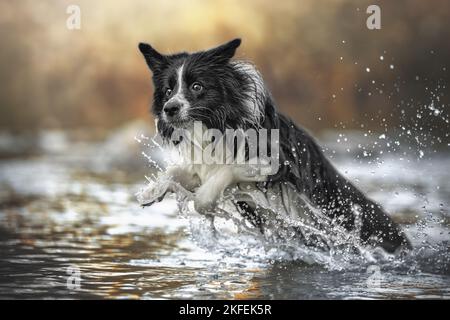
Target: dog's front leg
176, 179
209, 192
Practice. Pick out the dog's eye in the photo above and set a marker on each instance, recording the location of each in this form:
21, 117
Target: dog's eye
197, 86
168, 92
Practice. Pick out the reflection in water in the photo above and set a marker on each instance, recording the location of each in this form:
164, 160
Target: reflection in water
54, 214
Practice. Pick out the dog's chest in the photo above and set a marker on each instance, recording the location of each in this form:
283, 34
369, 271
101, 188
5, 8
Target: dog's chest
192, 158
205, 172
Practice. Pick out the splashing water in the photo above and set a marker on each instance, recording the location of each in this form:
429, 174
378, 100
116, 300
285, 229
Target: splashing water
69, 215
291, 231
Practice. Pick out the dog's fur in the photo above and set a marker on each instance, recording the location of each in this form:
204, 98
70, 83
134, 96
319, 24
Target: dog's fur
208, 86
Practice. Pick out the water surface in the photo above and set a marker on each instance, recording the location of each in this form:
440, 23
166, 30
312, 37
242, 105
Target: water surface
58, 217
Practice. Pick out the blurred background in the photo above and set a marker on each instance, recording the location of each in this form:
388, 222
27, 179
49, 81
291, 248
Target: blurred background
75, 146
324, 67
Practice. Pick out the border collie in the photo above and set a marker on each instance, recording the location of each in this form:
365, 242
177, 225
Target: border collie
222, 93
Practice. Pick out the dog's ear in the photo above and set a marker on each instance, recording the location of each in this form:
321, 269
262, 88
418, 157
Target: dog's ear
225, 51
155, 60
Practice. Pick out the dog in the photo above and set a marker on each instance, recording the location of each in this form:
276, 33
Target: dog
221, 92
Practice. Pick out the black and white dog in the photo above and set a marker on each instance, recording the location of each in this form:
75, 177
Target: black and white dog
208, 86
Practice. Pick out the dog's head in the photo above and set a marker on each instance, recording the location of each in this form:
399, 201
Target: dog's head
203, 86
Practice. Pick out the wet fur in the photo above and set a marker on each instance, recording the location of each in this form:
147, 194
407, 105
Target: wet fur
237, 98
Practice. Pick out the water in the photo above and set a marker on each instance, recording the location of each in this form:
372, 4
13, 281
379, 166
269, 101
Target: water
57, 216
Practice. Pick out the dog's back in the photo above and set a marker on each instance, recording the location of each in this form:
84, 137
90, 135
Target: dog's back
303, 164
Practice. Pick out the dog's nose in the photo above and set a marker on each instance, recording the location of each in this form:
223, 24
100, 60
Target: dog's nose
172, 108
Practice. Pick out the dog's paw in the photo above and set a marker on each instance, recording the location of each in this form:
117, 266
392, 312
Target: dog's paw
204, 201
204, 207
151, 202
154, 192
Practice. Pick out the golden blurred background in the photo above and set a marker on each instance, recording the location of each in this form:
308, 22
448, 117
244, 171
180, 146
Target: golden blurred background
325, 68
